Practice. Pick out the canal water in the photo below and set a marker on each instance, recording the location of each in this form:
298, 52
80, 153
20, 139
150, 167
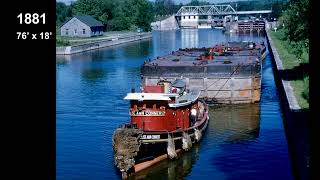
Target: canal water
241, 141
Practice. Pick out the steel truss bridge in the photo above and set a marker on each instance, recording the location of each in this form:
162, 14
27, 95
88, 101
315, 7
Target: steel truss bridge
209, 10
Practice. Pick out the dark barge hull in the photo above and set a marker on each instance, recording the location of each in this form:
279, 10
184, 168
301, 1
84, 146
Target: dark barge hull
231, 78
227, 79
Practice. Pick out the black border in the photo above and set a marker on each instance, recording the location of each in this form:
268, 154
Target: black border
31, 96
29, 82
314, 123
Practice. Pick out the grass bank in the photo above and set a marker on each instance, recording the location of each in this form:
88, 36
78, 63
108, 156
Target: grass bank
294, 67
71, 41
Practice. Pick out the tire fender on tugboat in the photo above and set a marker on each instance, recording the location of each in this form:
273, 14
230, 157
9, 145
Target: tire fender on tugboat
171, 148
197, 134
186, 141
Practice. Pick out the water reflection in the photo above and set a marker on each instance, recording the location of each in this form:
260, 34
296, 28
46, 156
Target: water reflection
93, 74
189, 38
60, 58
96, 55
228, 125
239, 139
60, 61
136, 50
171, 169
237, 122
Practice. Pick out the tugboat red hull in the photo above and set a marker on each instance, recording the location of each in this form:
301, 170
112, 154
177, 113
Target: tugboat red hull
165, 118
153, 145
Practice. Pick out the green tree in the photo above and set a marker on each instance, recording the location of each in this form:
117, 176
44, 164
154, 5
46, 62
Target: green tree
124, 14
99, 9
277, 8
62, 12
296, 31
296, 26
194, 3
130, 14
164, 7
296, 20
144, 15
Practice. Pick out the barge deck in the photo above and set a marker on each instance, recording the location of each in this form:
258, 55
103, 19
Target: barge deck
231, 77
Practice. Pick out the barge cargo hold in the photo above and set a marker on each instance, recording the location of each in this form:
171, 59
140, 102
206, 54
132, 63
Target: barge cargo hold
224, 74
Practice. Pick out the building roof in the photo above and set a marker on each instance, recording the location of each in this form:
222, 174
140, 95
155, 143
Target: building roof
89, 21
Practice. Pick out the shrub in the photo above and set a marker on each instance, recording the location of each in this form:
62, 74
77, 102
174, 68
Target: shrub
305, 93
62, 42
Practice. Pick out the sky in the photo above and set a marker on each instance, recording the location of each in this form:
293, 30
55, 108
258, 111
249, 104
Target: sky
176, 1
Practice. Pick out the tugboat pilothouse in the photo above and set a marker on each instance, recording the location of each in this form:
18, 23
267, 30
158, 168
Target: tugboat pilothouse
165, 119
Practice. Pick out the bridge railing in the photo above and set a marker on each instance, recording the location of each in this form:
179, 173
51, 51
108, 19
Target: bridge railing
205, 10
214, 10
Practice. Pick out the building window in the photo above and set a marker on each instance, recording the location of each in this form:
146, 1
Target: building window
184, 17
83, 31
194, 17
67, 31
75, 31
189, 17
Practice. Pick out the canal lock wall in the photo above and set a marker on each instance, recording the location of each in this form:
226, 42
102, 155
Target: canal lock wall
68, 50
296, 119
169, 23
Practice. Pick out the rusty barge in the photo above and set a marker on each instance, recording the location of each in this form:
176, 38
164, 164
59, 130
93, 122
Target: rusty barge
170, 113
228, 73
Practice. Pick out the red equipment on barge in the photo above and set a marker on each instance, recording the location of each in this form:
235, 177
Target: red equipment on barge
165, 118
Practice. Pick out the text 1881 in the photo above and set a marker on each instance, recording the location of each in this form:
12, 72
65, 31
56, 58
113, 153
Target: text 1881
29, 18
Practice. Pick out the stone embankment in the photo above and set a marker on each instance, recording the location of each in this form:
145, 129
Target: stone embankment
101, 43
169, 23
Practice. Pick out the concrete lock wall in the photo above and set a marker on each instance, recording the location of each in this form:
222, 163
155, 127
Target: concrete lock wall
60, 50
169, 23
296, 119
100, 44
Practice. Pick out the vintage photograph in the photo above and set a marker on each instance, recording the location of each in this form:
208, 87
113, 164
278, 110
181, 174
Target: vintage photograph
182, 89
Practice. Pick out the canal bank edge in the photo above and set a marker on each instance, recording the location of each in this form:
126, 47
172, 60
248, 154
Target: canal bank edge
296, 119
68, 50
292, 101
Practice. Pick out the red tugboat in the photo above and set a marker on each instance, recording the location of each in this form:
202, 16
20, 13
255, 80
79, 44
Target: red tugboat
166, 118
